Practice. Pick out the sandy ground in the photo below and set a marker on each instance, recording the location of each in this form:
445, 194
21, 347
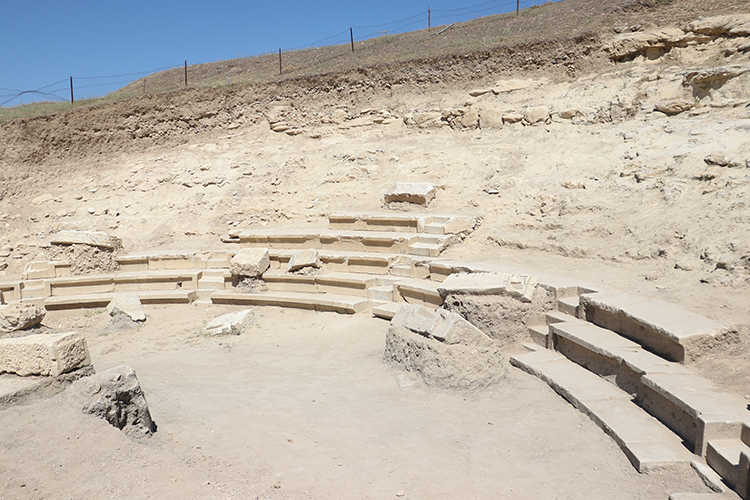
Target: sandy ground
304, 407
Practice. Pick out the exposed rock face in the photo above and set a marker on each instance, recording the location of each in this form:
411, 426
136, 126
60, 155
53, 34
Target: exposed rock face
19, 316
250, 262
303, 258
128, 305
731, 25
116, 396
231, 324
44, 354
443, 348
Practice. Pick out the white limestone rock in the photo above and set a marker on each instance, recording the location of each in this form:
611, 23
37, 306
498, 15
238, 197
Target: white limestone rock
231, 324
44, 354
536, 114
20, 316
128, 305
521, 286
303, 258
250, 262
444, 326
420, 193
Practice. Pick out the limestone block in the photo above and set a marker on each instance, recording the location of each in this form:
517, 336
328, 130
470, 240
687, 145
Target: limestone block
518, 285
250, 262
420, 193
536, 114
490, 118
512, 117
44, 354
303, 258
231, 324
116, 396
673, 106
91, 238
129, 305
20, 316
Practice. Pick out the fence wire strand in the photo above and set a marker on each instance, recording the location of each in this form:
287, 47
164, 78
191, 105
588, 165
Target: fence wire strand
335, 39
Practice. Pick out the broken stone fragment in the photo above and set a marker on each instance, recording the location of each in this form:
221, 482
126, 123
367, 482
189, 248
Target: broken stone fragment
231, 324
91, 238
303, 258
420, 193
250, 262
128, 305
116, 396
20, 316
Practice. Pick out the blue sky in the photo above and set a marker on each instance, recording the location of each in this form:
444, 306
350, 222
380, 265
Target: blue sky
45, 42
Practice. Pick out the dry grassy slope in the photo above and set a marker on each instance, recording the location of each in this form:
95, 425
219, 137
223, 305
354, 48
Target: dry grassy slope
561, 38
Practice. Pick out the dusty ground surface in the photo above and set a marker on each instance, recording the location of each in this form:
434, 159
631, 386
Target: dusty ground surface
303, 407
619, 196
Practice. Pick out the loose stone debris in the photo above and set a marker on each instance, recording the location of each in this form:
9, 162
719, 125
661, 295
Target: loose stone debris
232, 323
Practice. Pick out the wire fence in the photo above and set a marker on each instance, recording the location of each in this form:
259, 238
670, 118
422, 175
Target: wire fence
65, 89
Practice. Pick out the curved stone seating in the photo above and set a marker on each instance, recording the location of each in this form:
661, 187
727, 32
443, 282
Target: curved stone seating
618, 359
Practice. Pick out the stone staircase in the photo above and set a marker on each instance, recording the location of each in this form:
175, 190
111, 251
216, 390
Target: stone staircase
621, 360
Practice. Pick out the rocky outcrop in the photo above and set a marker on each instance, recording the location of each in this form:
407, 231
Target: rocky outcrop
655, 42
